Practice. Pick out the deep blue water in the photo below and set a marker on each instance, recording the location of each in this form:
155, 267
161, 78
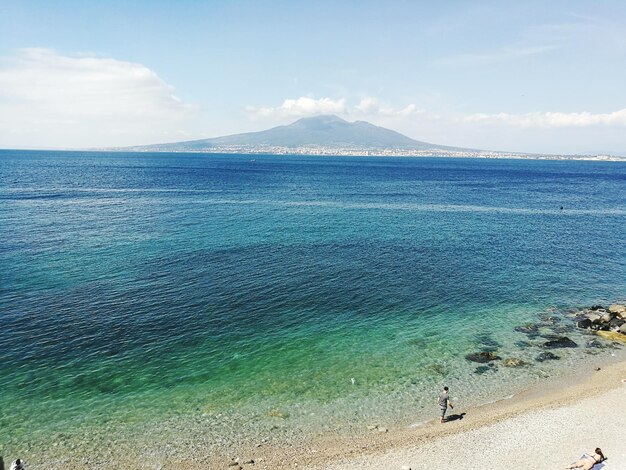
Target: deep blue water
125, 274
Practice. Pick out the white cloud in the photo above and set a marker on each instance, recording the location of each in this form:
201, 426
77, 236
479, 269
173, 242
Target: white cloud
558, 132
301, 107
551, 119
372, 108
49, 99
306, 106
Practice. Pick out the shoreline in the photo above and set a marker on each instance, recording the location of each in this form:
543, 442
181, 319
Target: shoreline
360, 445
404, 445
582, 391
182, 444
542, 428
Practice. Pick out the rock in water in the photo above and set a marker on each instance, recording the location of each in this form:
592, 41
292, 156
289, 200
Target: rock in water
529, 328
561, 342
607, 317
594, 317
482, 357
514, 362
594, 343
547, 356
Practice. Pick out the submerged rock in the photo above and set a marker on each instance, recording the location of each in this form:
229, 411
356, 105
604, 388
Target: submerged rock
487, 341
482, 357
549, 319
437, 369
482, 369
560, 342
514, 362
529, 328
563, 328
547, 356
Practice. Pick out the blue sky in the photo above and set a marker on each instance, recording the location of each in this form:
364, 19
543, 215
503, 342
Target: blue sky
526, 76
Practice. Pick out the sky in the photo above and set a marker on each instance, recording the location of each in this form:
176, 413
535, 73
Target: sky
528, 76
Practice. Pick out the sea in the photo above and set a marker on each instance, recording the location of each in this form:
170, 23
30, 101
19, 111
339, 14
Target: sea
243, 297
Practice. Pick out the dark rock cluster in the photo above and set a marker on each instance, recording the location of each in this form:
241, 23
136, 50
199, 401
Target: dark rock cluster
598, 318
609, 324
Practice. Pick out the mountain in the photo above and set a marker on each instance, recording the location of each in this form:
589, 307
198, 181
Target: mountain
326, 132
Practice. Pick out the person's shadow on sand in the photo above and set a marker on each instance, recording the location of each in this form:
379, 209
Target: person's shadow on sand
455, 417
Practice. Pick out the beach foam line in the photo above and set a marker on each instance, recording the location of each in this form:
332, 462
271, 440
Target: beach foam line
508, 397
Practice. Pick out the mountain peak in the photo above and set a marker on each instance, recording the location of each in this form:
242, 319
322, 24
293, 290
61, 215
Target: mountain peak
320, 118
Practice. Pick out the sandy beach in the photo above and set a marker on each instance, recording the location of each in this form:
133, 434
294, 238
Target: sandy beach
534, 431
545, 427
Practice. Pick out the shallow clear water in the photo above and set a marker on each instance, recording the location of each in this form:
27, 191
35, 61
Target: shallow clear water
140, 287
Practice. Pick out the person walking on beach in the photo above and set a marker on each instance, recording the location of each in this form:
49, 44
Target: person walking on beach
444, 401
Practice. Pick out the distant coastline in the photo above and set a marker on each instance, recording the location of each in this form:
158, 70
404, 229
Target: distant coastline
374, 152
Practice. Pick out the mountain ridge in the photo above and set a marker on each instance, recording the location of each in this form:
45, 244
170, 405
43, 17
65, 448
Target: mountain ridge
324, 131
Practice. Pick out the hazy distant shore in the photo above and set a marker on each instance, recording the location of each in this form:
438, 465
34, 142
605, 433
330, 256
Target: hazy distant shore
334, 152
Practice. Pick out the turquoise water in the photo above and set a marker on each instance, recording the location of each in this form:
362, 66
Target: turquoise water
142, 287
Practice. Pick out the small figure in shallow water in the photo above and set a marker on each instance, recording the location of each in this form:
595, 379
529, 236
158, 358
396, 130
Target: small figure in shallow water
443, 401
